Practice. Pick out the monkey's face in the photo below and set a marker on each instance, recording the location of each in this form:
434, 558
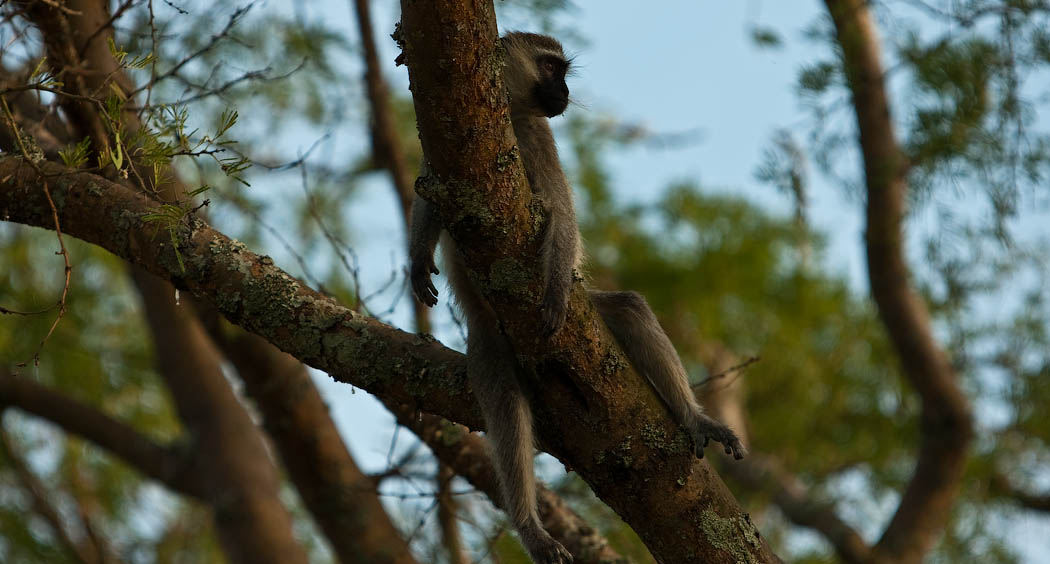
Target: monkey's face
551, 93
535, 75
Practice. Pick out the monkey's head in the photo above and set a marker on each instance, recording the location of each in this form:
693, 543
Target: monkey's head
535, 75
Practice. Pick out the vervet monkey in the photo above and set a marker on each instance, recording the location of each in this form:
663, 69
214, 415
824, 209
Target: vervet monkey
535, 78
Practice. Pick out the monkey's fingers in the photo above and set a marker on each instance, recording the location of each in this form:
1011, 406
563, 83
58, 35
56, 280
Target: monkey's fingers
434, 269
425, 292
430, 298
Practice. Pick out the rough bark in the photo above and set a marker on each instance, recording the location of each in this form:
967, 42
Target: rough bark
582, 387
946, 426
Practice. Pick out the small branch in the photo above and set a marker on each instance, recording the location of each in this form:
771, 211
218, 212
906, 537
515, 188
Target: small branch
212, 42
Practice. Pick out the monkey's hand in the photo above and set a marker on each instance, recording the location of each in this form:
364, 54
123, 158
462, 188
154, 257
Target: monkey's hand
706, 429
422, 286
555, 309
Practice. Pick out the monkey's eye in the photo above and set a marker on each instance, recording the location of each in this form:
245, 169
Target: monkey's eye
548, 66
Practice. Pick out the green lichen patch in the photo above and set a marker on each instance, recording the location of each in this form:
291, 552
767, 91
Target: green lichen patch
734, 535
509, 276
613, 363
508, 158
654, 436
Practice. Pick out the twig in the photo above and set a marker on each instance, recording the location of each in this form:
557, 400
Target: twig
726, 372
61, 304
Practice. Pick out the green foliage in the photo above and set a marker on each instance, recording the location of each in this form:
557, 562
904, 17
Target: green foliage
75, 156
817, 78
134, 63
765, 37
955, 77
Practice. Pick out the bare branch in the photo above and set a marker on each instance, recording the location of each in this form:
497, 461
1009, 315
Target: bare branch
164, 464
946, 426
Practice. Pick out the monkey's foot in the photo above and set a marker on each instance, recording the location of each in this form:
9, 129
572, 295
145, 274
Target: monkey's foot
542, 547
553, 313
706, 429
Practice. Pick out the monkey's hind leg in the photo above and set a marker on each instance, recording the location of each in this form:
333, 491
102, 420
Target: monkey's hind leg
651, 353
492, 370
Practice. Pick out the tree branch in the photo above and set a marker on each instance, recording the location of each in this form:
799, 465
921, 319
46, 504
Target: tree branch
946, 426
250, 291
167, 465
247, 289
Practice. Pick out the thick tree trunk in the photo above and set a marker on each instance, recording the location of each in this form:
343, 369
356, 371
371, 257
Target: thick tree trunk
583, 388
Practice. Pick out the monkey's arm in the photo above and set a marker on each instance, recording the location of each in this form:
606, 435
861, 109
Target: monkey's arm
426, 228
560, 253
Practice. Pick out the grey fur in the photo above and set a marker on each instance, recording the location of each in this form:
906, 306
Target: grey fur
491, 364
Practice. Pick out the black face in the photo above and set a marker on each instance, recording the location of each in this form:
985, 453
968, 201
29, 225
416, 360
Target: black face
552, 94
